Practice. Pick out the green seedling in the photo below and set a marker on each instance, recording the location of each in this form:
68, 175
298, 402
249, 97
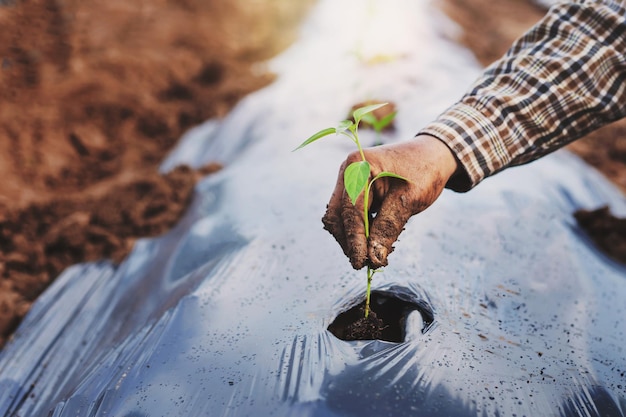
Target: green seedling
356, 176
378, 124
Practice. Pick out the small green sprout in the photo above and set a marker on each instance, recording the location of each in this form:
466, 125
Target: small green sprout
356, 176
379, 124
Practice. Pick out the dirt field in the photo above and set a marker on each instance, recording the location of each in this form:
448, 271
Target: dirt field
94, 95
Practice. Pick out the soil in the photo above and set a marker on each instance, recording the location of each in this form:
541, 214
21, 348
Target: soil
606, 230
386, 320
95, 94
364, 328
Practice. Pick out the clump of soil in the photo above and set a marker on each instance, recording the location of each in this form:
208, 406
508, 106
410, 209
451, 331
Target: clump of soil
94, 95
364, 328
40, 240
386, 320
607, 231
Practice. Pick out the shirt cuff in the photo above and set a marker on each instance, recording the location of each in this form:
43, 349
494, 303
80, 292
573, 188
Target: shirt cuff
475, 142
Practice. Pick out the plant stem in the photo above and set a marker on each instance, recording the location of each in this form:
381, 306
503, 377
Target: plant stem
370, 274
366, 193
366, 214
355, 133
366, 223
361, 151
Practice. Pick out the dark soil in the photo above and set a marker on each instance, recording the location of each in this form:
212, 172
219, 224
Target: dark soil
363, 328
94, 94
386, 321
606, 230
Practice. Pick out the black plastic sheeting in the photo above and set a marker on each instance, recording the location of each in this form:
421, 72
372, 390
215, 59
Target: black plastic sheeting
227, 314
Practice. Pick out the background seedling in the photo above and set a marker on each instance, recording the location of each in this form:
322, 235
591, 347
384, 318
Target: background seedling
357, 175
378, 124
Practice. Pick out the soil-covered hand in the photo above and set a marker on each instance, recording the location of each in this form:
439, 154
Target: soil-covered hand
425, 161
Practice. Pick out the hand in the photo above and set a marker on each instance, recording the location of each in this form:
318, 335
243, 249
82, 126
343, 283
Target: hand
425, 161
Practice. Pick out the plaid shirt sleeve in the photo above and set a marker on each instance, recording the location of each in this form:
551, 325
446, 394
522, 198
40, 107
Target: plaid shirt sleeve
564, 78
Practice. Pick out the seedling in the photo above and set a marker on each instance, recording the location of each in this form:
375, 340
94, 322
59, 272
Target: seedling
378, 124
356, 176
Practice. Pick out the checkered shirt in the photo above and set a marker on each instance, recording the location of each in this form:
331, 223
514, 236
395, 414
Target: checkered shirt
564, 78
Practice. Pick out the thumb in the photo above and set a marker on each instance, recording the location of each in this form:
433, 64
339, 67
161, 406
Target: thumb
392, 216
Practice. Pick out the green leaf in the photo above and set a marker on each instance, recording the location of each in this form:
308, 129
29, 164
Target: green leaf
389, 174
318, 135
384, 122
344, 125
369, 118
355, 179
358, 113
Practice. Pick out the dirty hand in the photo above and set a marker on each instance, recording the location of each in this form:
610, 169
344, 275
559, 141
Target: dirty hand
425, 161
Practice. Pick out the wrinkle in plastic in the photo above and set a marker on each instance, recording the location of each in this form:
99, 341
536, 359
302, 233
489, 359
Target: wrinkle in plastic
226, 315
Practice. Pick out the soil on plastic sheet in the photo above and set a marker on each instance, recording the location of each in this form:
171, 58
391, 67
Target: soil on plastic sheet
94, 96
386, 321
364, 328
606, 230
488, 28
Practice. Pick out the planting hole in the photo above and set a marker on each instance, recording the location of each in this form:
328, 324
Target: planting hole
387, 320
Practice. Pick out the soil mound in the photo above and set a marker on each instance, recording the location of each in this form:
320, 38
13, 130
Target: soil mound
606, 230
94, 95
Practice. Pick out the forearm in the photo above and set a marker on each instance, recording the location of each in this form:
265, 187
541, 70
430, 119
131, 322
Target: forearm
563, 79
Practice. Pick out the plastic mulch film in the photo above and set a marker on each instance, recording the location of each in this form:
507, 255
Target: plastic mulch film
227, 314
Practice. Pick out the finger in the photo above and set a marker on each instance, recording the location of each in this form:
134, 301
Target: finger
395, 211
354, 231
332, 219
